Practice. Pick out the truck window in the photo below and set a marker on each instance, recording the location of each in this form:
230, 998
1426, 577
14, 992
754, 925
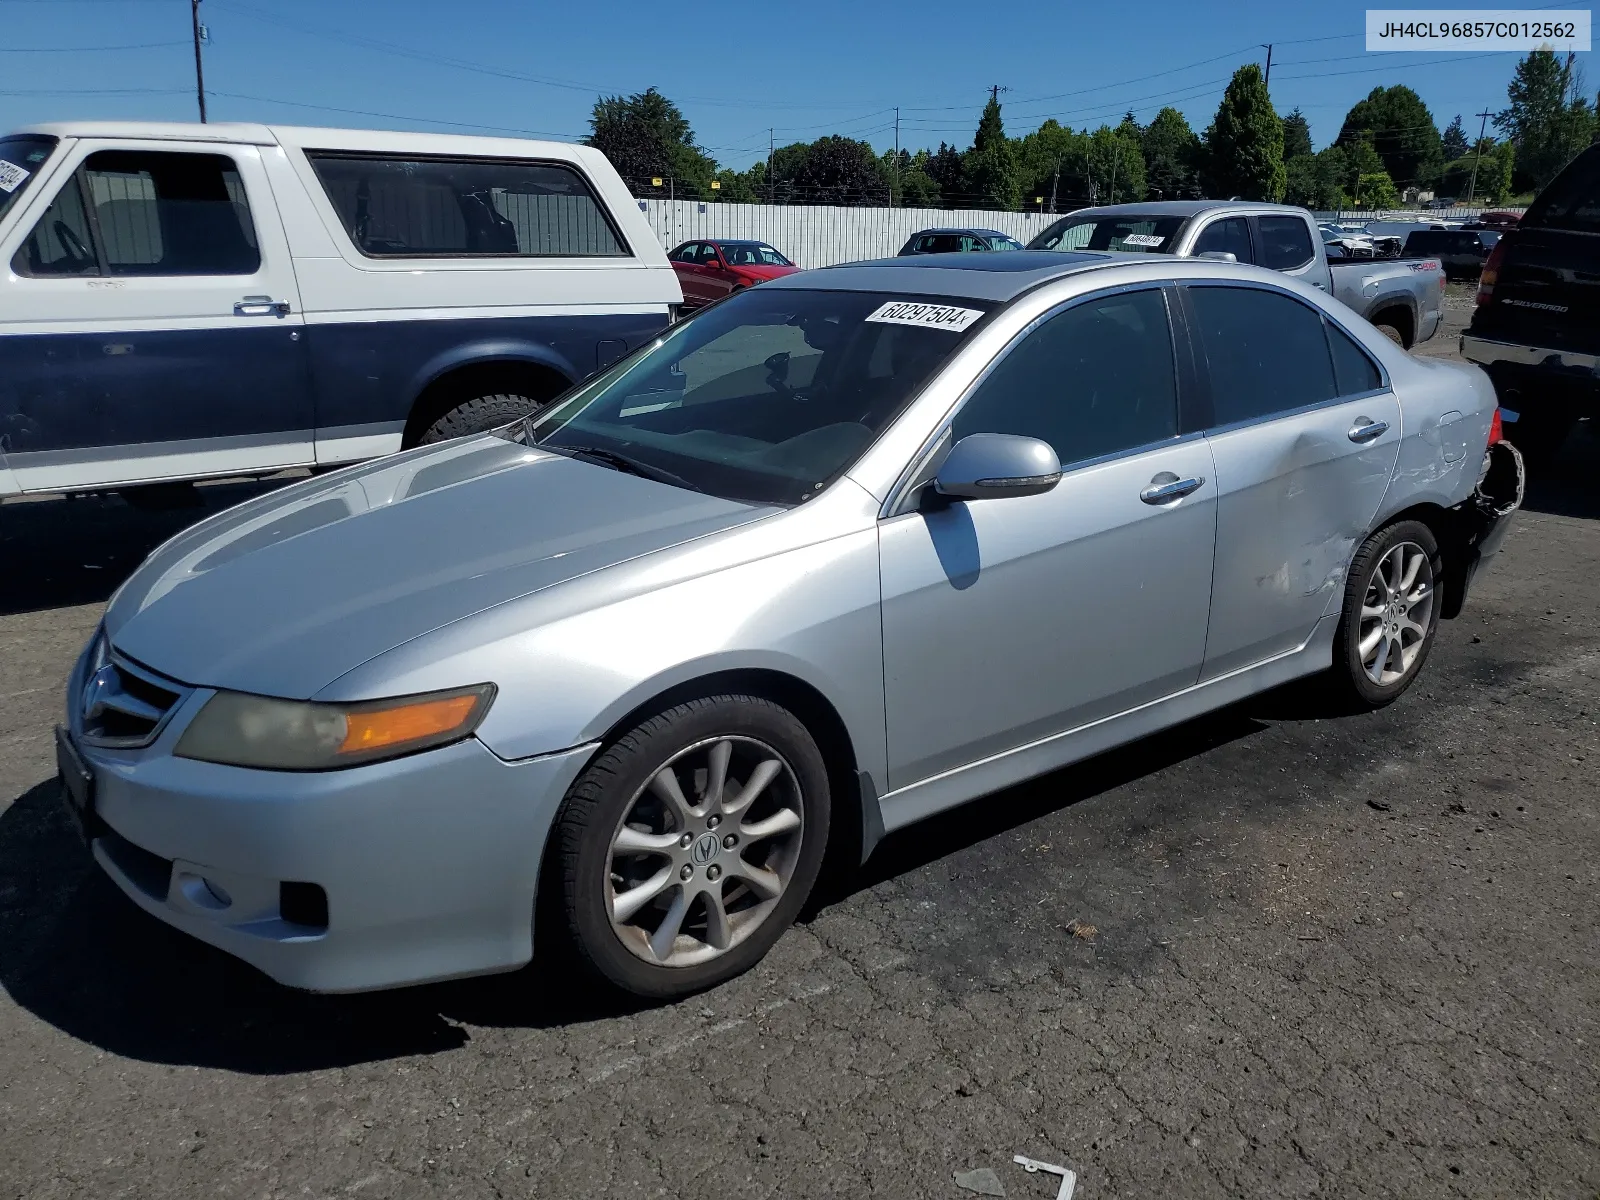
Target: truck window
1228, 236
1572, 199
1285, 243
127, 212
20, 159
451, 208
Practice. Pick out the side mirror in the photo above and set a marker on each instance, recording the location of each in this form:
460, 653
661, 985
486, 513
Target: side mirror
988, 466
1218, 256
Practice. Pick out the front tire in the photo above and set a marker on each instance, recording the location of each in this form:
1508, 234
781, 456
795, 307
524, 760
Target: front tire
1391, 614
690, 844
479, 415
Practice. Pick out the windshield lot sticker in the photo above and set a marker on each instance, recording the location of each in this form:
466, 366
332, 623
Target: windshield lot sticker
1143, 239
933, 316
11, 175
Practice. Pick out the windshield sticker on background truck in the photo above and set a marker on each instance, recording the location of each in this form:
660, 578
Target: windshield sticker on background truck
933, 316
11, 176
1143, 239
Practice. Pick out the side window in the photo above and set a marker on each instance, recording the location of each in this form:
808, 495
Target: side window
1228, 236
683, 253
969, 244
1265, 352
397, 208
1092, 380
1285, 243
708, 255
146, 213
1354, 372
171, 214
60, 243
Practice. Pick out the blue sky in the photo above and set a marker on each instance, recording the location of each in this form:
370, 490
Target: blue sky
736, 69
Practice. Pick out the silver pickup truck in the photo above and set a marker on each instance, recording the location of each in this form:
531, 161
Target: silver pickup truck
1400, 296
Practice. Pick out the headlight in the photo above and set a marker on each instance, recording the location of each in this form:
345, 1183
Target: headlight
293, 735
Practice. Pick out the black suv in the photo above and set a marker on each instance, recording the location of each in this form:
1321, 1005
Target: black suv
1460, 251
1537, 326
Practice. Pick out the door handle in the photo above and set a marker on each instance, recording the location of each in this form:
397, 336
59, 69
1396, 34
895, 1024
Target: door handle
260, 306
1365, 431
1167, 486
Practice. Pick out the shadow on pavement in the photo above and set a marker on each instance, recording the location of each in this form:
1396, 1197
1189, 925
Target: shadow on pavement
80, 549
1569, 486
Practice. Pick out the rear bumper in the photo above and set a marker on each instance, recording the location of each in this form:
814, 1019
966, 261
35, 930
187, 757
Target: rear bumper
1487, 352
1486, 518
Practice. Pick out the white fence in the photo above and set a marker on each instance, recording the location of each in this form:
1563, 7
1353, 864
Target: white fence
819, 236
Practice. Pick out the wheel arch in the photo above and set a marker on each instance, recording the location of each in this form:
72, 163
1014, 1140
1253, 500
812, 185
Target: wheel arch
1454, 536
1397, 309
483, 369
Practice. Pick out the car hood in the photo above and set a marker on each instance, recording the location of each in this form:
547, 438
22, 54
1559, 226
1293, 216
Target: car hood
284, 594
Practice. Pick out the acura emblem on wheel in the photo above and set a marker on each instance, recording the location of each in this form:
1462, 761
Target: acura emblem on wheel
705, 849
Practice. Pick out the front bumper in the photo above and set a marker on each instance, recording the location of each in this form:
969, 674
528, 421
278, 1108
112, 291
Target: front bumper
429, 863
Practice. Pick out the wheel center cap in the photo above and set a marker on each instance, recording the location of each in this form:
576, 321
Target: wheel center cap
705, 849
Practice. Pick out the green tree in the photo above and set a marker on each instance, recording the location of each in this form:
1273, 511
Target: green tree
1170, 150
948, 172
1482, 174
991, 164
646, 136
1376, 191
1316, 181
1296, 137
1548, 121
1402, 131
1244, 145
1454, 140
839, 170
1052, 164
1115, 167
739, 187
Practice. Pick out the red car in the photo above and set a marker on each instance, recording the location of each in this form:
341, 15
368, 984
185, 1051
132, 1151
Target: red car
708, 271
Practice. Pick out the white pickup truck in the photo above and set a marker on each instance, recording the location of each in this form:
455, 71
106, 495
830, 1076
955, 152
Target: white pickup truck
1400, 296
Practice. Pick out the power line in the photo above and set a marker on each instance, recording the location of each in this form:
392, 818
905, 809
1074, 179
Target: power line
361, 112
86, 49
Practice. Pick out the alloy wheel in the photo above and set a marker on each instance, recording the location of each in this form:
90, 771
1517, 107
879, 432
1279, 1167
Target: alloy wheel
704, 851
1396, 614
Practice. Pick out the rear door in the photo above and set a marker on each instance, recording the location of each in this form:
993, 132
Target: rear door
152, 325
1305, 434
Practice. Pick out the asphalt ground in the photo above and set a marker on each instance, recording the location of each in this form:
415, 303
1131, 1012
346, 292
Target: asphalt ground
1275, 952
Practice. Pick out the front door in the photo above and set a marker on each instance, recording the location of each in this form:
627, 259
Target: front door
1007, 621
1305, 434
150, 327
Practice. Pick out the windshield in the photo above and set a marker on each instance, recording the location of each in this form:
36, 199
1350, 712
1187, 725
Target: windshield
766, 397
1571, 200
1134, 234
20, 160
753, 254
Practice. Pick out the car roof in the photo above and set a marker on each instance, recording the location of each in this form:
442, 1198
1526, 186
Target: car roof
963, 229
996, 277
1180, 208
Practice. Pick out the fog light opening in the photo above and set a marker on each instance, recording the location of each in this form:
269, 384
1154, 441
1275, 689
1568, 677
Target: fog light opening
303, 904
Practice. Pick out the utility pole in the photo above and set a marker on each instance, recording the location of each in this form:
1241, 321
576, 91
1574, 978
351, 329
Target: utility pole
199, 71
1483, 123
896, 191
1055, 179
1115, 158
772, 142
1267, 83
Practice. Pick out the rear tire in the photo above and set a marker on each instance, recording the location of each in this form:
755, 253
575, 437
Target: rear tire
479, 415
1393, 334
1390, 617
663, 889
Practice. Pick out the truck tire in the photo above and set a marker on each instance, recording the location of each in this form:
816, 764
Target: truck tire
477, 415
1393, 334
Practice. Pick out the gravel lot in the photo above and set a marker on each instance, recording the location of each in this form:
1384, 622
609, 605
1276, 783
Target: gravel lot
1330, 955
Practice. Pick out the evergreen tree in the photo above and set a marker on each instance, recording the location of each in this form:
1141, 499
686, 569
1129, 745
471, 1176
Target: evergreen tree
1244, 145
948, 173
1296, 137
1548, 121
991, 164
1170, 150
1052, 164
1454, 142
646, 136
1401, 130
1116, 167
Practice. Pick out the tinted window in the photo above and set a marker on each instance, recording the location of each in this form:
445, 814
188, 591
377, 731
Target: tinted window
1354, 372
683, 253
150, 213
1093, 380
1134, 234
1572, 199
396, 207
1230, 236
1285, 243
1265, 352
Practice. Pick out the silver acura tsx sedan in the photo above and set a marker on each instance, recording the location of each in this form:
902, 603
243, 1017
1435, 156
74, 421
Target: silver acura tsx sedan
833, 555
